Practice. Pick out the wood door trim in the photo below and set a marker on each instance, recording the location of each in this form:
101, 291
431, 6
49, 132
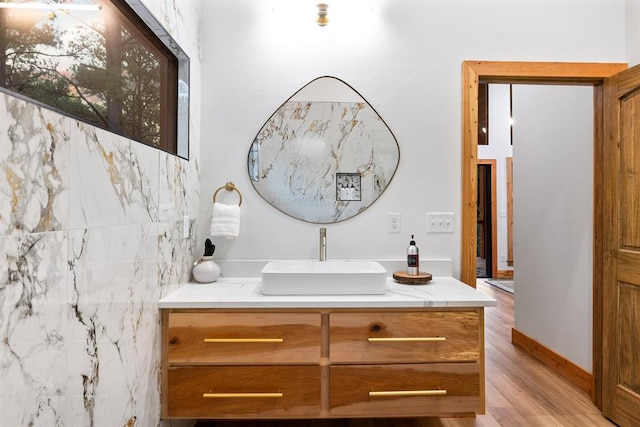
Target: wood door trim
507, 72
505, 274
531, 72
494, 214
509, 161
588, 73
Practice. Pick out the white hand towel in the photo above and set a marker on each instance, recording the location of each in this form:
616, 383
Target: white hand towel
225, 220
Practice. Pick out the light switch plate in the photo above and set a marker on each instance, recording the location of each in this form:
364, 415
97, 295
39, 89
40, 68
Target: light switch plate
440, 222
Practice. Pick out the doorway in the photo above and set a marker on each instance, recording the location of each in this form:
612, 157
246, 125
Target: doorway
486, 250
494, 149
475, 72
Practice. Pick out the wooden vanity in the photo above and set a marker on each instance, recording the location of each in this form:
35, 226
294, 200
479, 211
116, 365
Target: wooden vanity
323, 357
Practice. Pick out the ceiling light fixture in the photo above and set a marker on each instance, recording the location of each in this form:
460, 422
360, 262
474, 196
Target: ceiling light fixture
50, 6
322, 19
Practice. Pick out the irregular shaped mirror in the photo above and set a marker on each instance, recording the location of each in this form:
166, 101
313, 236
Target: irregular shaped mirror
325, 155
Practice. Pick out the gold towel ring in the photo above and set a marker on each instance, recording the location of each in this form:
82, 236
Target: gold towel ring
229, 186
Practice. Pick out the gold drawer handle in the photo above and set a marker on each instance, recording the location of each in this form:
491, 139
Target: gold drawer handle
242, 340
247, 395
409, 393
409, 339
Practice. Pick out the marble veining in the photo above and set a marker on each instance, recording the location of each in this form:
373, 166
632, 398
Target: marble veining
179, 188
296, 156
33, 311
86, 251
113, 323
126, 190
176, 255
34, 162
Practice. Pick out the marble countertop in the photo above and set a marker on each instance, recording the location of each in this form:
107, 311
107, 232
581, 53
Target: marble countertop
239, 292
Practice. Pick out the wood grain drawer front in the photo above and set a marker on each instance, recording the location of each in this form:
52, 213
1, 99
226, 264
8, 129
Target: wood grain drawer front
243, 392
243, 338
413, 337
410, 390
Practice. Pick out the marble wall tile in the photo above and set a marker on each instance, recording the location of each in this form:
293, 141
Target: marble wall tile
178, 17
34, 163
176, 255
114, 325
114, 180
179, 188
85, 254
33, 278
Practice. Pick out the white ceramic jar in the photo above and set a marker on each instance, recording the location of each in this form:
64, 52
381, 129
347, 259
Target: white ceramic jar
206, 270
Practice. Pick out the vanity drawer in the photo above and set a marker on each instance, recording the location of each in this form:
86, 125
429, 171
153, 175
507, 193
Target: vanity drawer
243, 392
411, 389
243, 338
404, 337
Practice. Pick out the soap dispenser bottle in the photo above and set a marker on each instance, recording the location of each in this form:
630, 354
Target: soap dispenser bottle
206, 270
413, 258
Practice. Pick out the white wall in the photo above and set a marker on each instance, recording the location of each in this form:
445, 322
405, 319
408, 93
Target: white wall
405, 58
553, 217
632, 15
499, 148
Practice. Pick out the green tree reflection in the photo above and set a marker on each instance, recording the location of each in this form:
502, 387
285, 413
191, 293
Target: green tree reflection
87, 64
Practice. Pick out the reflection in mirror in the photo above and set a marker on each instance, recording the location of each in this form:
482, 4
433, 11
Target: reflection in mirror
325, 155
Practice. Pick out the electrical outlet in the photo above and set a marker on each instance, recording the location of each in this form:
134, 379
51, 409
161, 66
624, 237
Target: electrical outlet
394, 222
440, 222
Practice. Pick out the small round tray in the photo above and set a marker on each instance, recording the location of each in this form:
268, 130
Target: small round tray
420, 279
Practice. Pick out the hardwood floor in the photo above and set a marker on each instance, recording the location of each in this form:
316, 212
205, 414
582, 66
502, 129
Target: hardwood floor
520, 392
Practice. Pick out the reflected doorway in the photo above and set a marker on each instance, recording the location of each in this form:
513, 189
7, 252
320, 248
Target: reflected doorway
493, 181
486, 219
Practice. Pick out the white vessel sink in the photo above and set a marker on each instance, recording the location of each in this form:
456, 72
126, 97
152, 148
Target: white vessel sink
306, 277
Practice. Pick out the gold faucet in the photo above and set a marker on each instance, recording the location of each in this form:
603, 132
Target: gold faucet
323, 244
